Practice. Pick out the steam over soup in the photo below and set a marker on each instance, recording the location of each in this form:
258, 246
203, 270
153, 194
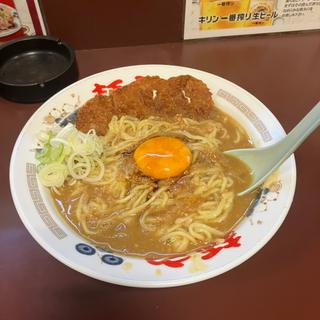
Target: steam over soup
155, 182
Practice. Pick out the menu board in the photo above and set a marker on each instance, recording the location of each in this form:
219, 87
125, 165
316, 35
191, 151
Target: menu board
20, 18
214, 18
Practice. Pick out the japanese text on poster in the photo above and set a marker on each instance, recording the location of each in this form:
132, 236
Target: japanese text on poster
210, 18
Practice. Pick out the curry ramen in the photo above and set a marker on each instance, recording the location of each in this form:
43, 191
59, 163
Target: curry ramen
149, 184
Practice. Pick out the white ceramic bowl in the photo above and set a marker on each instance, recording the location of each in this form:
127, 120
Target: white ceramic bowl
38, 214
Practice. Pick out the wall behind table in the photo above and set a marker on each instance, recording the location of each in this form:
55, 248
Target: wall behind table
88, 24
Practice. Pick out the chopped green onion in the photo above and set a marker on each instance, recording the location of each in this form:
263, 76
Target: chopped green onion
49, 154
72, 153
53, 174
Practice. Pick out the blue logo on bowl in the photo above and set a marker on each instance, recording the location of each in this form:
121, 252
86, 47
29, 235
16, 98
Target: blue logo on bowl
111, 259
85, 249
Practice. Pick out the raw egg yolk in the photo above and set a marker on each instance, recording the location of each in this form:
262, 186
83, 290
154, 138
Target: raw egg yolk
162, 157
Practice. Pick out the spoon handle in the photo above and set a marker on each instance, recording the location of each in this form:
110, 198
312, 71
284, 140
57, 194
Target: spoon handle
300, 132
265, 160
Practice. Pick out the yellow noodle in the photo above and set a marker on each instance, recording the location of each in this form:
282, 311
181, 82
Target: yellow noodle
80, 206
141, 207
143, 222
85, 227
141, 201
173, 236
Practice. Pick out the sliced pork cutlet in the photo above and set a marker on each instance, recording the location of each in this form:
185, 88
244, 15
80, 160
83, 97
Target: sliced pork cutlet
148, 96
95, 114
192, 97
136, 98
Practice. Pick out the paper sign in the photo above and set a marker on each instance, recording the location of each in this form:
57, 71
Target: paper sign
214, 18
20, 18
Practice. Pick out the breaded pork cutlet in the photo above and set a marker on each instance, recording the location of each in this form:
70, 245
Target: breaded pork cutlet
95, 114
148, 96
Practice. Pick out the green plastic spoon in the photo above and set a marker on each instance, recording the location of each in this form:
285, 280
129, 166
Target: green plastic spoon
263, 161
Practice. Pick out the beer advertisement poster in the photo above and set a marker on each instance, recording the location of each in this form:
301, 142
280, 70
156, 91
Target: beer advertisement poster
214, 18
